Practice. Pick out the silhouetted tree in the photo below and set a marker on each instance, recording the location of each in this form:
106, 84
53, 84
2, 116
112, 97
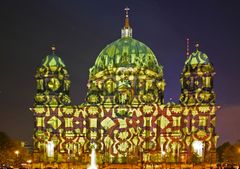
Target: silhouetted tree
220, 151
8, 147
228, 153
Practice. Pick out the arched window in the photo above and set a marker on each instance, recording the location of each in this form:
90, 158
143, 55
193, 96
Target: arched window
198, 147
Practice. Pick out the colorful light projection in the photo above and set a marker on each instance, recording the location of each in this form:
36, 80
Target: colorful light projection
124, 113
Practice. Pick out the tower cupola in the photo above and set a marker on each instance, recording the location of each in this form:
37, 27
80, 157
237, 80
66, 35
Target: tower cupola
197, 79
52, 81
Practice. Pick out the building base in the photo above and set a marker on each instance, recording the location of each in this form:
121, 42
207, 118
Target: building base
124, 166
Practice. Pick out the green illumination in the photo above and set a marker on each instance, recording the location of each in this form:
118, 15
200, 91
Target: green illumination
196, 80
126, 52
52, 82
124, 114
52, 60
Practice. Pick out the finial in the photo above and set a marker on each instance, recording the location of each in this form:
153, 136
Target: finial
197, 46
126, 10
53, 48
126, 30
187, 52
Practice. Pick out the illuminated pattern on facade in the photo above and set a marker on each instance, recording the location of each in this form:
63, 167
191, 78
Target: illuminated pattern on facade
125, 114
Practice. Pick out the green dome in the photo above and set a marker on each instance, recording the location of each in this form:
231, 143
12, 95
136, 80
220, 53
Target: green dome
126, 52
52, 60
197, 58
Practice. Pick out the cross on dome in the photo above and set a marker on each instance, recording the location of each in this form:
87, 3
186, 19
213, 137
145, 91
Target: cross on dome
126, 11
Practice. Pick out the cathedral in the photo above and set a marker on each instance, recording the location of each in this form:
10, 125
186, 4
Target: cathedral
124, 116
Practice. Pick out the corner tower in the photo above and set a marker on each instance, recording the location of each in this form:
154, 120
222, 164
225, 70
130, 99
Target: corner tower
50, 101
197, 80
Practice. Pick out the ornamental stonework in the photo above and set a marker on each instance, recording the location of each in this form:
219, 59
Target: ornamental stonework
124, 113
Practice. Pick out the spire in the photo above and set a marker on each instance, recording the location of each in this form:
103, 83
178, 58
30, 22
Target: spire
126, 23
126, 30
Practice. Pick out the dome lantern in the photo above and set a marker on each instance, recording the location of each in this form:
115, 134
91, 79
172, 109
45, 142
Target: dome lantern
126, 31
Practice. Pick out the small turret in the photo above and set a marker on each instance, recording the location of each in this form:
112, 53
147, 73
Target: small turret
52, 82
197, 80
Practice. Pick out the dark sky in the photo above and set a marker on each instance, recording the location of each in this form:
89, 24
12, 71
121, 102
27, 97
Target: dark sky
81, 29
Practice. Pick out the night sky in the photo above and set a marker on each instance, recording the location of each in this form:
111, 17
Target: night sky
81, 29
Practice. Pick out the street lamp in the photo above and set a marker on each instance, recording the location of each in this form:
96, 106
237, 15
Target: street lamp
16, 152
29, 163
16, 161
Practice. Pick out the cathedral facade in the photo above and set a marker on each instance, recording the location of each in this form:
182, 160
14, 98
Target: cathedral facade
125, 117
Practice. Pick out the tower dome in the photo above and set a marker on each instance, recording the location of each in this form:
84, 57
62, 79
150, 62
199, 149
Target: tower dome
52, 60
126, 72
197, 58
